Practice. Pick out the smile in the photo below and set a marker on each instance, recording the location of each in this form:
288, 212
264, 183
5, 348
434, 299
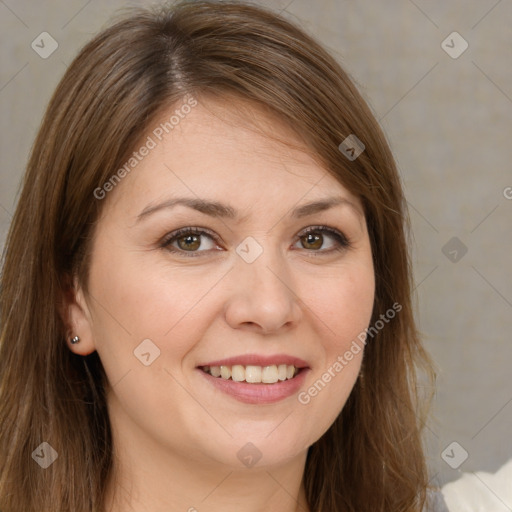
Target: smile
253, 374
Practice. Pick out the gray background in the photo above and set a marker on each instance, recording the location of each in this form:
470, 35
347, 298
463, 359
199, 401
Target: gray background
448, 121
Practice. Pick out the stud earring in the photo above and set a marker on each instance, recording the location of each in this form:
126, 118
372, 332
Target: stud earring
74, 340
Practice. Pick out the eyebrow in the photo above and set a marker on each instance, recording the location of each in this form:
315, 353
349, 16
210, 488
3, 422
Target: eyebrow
221, 210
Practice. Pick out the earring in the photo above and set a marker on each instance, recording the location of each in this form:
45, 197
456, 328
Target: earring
74, 340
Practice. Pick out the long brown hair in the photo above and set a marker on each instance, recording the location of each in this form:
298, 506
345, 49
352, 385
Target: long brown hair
371, 458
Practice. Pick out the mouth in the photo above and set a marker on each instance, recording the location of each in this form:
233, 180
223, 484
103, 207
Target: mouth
255, 379
253, 374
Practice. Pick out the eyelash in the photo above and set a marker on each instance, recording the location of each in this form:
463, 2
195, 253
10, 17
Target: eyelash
341, 240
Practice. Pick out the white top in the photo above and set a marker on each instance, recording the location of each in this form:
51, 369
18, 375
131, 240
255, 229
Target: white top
481, 492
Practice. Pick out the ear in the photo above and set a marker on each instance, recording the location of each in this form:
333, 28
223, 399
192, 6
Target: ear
76, 316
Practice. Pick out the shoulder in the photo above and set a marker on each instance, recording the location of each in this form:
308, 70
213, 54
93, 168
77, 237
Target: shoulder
481, 492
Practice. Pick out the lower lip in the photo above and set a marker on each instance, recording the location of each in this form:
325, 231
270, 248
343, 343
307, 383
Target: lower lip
258, 393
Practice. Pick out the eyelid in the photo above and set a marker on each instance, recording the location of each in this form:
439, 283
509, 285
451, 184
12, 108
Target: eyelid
320, 227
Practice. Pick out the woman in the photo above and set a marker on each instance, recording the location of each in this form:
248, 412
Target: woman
210, 243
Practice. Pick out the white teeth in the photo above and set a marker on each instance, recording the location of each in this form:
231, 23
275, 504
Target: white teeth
225, 372
238, 373
253, 374
269, 374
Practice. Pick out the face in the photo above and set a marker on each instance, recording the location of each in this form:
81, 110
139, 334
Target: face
241, 278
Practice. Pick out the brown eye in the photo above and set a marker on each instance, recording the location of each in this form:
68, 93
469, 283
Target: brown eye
315, 238
312, 241
189, 242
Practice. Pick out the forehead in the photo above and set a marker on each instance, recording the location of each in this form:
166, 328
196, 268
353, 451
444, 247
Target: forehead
230, 151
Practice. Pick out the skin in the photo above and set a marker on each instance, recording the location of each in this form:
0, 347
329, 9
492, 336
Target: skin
176, 437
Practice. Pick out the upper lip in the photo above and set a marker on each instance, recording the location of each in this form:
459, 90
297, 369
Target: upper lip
259, 360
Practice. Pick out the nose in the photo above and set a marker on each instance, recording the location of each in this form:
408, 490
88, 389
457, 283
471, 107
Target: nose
262, 295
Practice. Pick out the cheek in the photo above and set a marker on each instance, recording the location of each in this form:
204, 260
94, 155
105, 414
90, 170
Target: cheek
135, 303
343, 310
355, 303
140, 298
344, 305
